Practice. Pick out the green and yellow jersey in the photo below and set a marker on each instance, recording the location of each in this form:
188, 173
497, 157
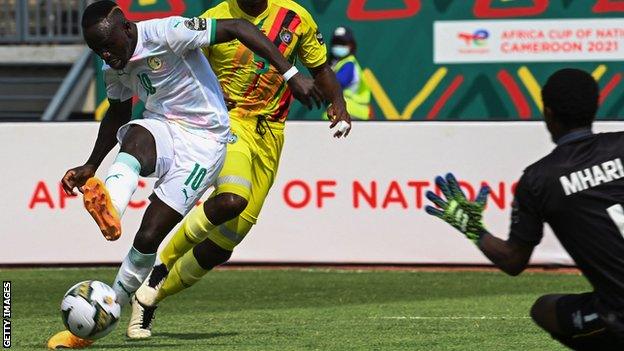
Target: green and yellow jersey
257, 87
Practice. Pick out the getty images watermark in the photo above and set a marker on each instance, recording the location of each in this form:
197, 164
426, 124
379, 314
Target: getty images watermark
6, 314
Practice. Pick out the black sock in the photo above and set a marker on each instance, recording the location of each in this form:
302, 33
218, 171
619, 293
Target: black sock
158, 274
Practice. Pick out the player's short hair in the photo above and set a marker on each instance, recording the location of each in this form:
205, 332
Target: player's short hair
572, 95
97, 12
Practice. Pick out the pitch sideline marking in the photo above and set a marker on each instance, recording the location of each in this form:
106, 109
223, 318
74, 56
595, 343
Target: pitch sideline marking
452, 317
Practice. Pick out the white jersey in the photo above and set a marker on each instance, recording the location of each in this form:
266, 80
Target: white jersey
170, 74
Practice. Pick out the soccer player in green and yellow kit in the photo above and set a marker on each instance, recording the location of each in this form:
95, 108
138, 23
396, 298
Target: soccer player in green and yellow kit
259, 99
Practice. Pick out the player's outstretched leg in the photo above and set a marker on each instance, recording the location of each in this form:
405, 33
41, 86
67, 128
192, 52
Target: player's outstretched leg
200, 223
188, 270
67, 340
106, 201
191, 231
158, 221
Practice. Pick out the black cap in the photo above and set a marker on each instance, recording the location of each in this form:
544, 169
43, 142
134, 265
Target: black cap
343, 34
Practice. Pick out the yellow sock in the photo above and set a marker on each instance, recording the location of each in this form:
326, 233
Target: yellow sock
194, 229
185, 272
231, 233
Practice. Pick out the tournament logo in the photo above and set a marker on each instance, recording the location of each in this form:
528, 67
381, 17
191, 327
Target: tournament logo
478, 38
319, 37
196, 23
232, 139
154, 63
475, 42
286, 36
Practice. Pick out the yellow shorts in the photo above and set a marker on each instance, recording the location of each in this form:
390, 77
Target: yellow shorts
249, 171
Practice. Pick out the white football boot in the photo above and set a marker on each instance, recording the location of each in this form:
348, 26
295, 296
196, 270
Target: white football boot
144, 304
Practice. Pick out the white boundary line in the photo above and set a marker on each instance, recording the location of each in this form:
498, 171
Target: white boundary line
451, 317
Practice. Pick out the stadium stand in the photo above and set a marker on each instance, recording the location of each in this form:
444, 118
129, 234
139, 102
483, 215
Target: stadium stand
44, 67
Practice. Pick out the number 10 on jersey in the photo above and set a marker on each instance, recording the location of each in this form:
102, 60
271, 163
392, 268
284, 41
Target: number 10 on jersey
196, 177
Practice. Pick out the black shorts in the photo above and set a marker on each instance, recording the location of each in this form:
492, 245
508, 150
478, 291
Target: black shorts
583, 316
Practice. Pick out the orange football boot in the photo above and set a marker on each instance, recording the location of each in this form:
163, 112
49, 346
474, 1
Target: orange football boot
67, 340
98, 203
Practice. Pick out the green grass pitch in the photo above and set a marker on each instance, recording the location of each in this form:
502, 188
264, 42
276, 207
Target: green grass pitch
311, 309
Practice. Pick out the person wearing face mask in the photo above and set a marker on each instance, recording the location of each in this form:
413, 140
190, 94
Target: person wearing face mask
349, 73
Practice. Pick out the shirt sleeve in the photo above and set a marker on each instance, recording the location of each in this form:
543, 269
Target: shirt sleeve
346, 74
185, 34
210, 13
312, 50
527, 224
115, 90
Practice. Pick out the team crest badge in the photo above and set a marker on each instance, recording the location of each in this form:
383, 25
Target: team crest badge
196, 23
154, 63
286, 36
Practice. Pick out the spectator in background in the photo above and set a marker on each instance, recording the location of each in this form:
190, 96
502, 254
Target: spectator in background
349, 73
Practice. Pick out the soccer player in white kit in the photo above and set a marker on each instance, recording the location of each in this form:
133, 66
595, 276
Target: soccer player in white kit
182, 138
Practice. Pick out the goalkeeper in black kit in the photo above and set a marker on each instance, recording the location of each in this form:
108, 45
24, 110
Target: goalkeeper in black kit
578, 189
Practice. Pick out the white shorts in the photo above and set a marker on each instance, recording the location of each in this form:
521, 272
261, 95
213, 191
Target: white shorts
186, 164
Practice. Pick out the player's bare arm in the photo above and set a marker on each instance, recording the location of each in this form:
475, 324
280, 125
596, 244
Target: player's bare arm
303, 88
326, 80
118, 114
510, 256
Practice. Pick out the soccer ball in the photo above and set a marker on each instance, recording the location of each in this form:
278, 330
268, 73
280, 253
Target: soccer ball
90, 309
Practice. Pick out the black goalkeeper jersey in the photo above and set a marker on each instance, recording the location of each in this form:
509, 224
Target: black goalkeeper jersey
578, 189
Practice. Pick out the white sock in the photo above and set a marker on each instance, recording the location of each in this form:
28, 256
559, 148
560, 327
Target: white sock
122, 180
133, 271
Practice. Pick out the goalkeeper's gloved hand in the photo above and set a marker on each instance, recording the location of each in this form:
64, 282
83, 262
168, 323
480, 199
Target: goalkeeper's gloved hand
457, 210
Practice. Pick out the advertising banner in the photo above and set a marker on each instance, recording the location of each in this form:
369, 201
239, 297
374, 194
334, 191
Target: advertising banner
358, 200
468, 72
528, 41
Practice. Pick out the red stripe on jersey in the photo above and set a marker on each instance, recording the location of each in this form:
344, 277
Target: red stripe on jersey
294, 24
277, 24
283, 106
252, 86
292, 27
